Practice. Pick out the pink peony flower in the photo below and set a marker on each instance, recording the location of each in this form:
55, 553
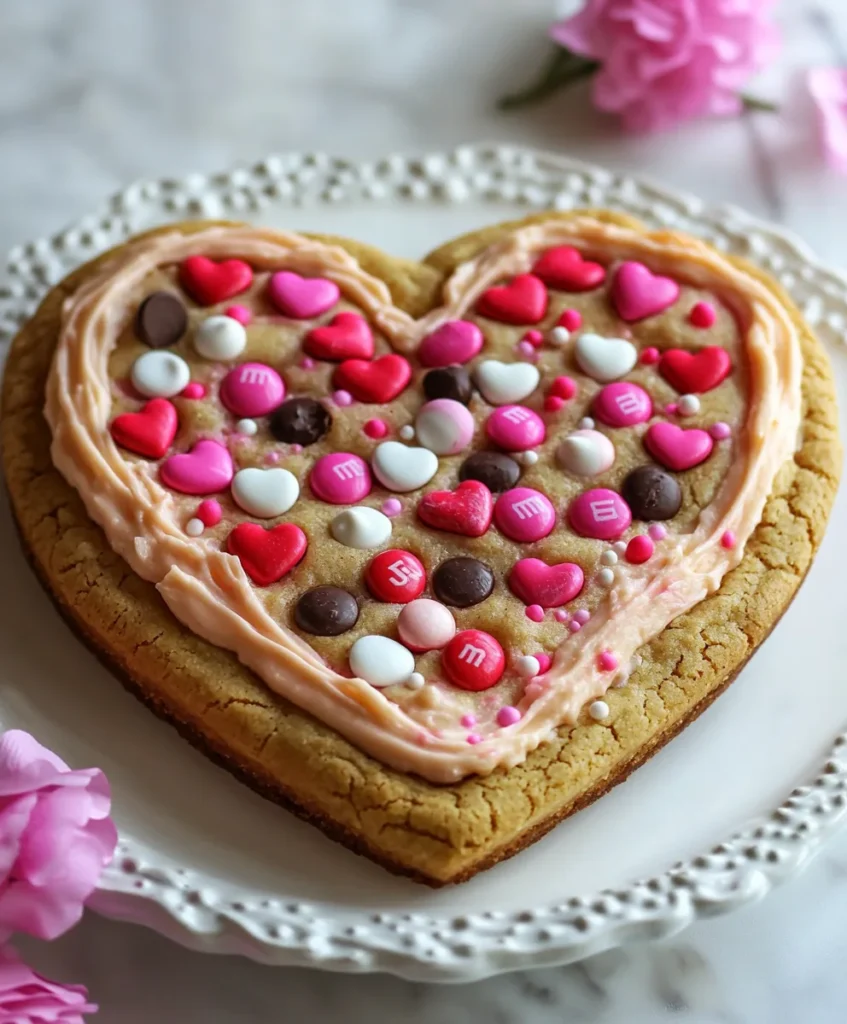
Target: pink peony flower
664, 61
828, 87
27, 998
55, 837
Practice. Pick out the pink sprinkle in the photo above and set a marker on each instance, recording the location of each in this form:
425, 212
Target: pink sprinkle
342, 398
571, 320
421, 739
544, 662
508, 716
650, 356
582, 616
702, 315
671, 409
574, 626
474, 738
534, 338
560, 615
728, 540
606, 661
295, 449
639, 550
535, 612
307, 363
209, 512
193, 390
392, 507
240, 313
527, 350
552, 403
720, 431
657, 531
468, 721
272, 457
376, 428
563, 387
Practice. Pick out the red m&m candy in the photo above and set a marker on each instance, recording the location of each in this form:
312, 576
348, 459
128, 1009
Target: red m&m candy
396, 576
473, 660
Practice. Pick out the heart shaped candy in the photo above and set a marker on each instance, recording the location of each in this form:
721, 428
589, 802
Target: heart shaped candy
505, 383
148, 432
457, 341
564, 268
638, 293
400, 468
467, 510
361, 527
267, 555
302, 297
346, 336
209, 282
379, 382
265, 492
536, 582
205, 469
676, 448
695, 372
523, 301
604, 359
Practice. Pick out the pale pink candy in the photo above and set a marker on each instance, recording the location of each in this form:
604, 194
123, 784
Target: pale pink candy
56, 837
302, 297
666, 61
457, 341
426, 625
524, 514
828, 87
205, 469
240, 313
600, 514
252, 389
622, 405
209, 512
341, 478
508, 716
29, 998
720, 431
515, 428
444, 426
676, 448
638, 293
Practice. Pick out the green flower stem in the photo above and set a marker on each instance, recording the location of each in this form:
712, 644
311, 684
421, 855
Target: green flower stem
562, 69
756, 103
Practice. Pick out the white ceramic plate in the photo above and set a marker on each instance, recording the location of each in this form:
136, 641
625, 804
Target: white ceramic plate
209, 863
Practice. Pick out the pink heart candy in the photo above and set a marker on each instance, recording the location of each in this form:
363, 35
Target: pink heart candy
677, 448
638, 293
302, 297
207, 468
457, 341
536, 582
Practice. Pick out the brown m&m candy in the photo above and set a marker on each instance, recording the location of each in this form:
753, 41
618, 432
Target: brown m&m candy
300, 421
497, 471
651, 493
326, 611
462, 582
161, 320
448, 382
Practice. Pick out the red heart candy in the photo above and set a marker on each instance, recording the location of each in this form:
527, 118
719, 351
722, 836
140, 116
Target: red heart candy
346, 336
267, 555
523, 301
467, 510
379, 381
536, 582
565, 269
676, 448
148, 432
209, 283
695, 372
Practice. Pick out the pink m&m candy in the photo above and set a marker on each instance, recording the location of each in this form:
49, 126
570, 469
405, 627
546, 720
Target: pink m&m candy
426, 625
252, 389
341, 478
622, 405
515, 428
524, 514
600, 513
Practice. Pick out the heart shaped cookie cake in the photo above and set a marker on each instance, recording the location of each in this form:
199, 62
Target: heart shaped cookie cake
436, 552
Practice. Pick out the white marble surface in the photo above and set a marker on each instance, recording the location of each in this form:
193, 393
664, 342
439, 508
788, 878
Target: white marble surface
94, 93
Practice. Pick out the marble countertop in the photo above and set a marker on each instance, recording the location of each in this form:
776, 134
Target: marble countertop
94, 94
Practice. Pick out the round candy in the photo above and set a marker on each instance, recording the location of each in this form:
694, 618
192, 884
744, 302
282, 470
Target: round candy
265, 493
622, 405
586, 453
220, 338
341, 478
326, 611
462, 582
601, 514
639, 549
160, 374
457, 341
361, 527
381, 661
448, 382
651, 493
444, 426
473, 660
252, 389
524, 515
396, 576
505, 383
400, 468
161, 320
426, 625
300, 421
515, 428
497, 471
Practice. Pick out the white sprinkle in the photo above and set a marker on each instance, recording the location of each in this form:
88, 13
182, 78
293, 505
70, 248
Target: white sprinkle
559, 336
527, 666
194, 527
248, 427
415, 681
586, 423
609, 557
599, 710
527, 458
606, 577
688, 405
407, 432
619, 547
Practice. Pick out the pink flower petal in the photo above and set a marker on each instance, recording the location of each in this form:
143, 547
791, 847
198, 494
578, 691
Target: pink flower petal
29, 998
828, 87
